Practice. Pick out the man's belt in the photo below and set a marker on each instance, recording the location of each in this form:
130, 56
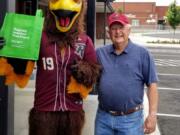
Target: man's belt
121, 113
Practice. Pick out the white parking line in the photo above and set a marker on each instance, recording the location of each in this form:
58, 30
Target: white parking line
164, 55
168, 115
163, 51
167, 62
162, 74
166, 88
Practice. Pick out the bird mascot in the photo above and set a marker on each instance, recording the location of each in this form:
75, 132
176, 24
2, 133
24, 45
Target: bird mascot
67, 69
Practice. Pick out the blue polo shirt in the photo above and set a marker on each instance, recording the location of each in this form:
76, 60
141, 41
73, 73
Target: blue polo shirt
121, 84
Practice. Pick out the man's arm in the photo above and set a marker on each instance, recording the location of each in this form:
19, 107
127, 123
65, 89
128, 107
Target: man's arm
151, 120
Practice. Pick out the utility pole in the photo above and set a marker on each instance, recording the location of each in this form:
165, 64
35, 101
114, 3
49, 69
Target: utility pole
106, 4
6, 108
91, 21
6, 92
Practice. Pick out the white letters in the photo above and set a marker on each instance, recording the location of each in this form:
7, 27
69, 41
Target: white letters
48, 63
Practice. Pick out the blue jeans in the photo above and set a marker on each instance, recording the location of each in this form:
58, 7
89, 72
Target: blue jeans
131, 124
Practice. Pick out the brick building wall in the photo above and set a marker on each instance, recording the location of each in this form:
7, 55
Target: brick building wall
140, 14
161, 11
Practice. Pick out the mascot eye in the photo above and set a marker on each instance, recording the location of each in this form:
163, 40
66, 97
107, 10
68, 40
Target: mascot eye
77, 1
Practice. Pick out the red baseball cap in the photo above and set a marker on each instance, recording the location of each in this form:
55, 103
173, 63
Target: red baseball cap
117, 17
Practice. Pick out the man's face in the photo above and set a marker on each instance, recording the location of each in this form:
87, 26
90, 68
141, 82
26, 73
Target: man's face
119, 33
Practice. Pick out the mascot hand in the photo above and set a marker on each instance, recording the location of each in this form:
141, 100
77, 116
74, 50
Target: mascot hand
15, 70
2, 42
85, 73
84, 76
75, 87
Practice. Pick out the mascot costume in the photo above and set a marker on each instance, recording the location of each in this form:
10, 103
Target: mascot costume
66, 71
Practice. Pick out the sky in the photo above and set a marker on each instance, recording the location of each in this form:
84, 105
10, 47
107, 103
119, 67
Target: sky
158, 2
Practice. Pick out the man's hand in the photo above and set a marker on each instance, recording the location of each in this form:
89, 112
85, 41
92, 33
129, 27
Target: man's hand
2, 42
151, 120
150, 124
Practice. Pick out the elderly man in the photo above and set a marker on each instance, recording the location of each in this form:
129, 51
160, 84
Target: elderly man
126, 67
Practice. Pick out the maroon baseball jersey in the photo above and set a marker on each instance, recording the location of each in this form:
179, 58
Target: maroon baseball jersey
53, 74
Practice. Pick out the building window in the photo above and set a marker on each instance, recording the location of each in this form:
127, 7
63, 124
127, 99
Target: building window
135, 22
26, 6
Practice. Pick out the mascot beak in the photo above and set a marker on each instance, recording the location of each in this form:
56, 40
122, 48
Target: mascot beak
65, 13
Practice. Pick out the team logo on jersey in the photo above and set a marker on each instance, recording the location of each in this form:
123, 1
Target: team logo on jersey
80, 47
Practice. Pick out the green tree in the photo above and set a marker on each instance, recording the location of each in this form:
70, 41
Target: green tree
119, 10
173, 15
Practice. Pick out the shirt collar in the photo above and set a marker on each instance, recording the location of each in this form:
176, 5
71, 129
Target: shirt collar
126, 50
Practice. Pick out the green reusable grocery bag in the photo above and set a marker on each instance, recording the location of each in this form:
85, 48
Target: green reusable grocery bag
22, 34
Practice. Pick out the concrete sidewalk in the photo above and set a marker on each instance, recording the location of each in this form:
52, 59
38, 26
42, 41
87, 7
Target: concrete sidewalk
24, 101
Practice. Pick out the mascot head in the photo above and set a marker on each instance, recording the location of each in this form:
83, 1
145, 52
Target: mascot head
65, 13
64, 20
65, 16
